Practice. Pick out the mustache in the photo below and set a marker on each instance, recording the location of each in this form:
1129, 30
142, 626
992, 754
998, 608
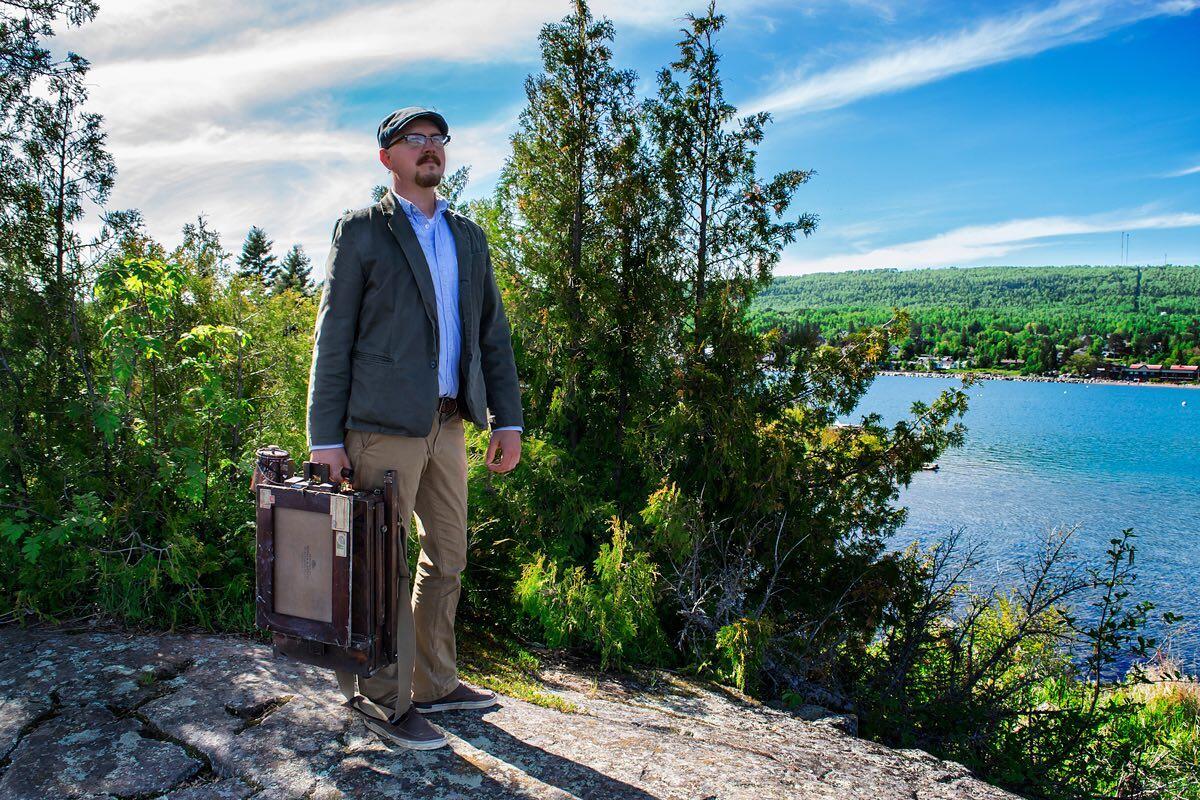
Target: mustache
428, 157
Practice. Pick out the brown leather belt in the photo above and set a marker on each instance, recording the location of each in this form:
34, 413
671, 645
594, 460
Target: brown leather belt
447, 405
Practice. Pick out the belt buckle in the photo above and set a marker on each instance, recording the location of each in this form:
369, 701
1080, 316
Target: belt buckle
447, 405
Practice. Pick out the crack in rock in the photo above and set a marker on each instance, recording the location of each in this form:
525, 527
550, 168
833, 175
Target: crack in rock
256, 714
89, 751
154, 733
169, 671
50, 713
158, 680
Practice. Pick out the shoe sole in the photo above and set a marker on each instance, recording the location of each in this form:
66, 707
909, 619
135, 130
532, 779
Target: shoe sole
414, 744
459, 706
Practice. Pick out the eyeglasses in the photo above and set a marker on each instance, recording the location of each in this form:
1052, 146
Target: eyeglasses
419, 139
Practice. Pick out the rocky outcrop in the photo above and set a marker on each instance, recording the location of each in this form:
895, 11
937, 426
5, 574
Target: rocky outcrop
111, 715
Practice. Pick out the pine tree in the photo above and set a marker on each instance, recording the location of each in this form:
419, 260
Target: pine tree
729, 236
553, 184
452, 187
257, 260
295, 273
52, 160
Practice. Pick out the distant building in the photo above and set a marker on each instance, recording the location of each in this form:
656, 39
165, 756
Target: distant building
1181, 372
1176, 372
1141, 372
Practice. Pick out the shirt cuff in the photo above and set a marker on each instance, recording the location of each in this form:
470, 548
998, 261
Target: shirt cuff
508, 428
325, 446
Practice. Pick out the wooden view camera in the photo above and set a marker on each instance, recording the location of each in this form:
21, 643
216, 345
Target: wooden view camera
326, 565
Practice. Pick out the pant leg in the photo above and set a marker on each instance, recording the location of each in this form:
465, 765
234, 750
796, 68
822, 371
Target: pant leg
441, 506
371, 454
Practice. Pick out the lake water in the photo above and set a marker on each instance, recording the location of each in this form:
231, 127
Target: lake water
1043, 455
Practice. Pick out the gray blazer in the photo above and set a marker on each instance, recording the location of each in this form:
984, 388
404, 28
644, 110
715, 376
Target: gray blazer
375, 357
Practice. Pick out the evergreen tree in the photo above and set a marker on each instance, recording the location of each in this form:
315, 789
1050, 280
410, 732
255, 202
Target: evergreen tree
554, 185
52, 160
729, 235
257, 260
579, 237
452, 187
295, 273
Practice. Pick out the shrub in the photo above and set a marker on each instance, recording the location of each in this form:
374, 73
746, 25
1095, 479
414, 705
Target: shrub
612, 611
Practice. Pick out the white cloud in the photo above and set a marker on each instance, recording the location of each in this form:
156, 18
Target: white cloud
155, 68
292, 183
143, 94
976, 243
992, 41
1188, 171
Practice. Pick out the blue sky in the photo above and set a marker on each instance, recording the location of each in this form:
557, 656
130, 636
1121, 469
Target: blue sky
964, 133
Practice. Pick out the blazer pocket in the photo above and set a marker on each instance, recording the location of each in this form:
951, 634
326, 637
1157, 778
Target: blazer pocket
376, 357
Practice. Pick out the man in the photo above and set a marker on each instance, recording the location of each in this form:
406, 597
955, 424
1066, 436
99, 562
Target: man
411, 339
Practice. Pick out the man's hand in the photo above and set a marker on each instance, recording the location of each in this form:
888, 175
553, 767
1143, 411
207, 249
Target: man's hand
509, 445
336, 458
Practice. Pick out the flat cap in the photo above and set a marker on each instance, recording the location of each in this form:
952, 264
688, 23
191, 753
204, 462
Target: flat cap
396, 120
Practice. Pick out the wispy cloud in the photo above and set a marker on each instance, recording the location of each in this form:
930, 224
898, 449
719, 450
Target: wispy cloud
1188, 171
197, 59
991, 41
977, 243
292, 183
237, 110
142, 94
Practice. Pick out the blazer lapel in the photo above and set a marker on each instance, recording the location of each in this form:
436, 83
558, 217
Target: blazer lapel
402, 230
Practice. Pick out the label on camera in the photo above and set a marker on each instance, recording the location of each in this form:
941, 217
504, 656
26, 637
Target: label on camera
339, 511
266, 498
340, 548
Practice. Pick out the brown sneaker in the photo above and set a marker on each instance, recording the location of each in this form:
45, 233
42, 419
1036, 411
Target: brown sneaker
463, 696
410, 730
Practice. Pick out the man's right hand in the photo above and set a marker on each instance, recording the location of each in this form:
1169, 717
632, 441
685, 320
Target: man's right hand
336, 458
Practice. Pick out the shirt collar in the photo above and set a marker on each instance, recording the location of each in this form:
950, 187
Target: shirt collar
413, 212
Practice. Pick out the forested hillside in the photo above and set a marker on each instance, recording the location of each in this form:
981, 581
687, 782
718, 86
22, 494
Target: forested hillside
1042, 316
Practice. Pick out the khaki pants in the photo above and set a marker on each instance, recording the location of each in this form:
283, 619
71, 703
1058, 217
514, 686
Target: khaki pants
431, 475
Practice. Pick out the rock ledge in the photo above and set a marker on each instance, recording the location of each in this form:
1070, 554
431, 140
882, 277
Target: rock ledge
190, 717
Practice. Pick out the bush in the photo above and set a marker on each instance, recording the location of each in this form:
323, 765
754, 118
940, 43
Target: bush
613, 611
1017, 684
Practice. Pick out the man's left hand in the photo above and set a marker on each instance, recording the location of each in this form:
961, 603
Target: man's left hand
509, 445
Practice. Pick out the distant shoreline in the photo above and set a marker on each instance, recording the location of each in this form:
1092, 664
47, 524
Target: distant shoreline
994, 376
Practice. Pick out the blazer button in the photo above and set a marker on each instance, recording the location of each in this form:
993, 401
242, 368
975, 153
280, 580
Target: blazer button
433, 364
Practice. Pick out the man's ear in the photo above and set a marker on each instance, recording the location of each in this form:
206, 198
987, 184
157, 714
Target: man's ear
385, 159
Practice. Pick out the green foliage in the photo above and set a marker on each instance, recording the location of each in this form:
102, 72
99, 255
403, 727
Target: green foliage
629, 238
1012, 682
613, 609
742, 645
138, 509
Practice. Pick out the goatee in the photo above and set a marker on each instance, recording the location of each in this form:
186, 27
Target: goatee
427, 179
